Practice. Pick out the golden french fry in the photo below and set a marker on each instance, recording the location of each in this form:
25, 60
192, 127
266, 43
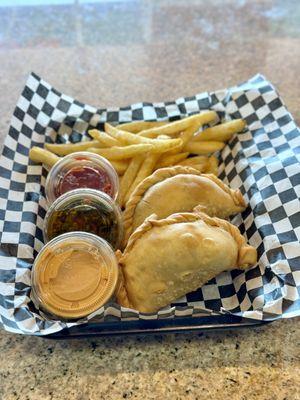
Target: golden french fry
170, 159
129, 138
188, 134
123, 136
185, 137
146, 169
180, 125
129, 177
120, 166
39, 155
222, 132
200, 167
212, 166
121, 153
137, 126
68, 148
104, 139
164, 137
167, 145
203, 147
191, 161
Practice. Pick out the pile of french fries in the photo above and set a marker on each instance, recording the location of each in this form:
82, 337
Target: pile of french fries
136, 149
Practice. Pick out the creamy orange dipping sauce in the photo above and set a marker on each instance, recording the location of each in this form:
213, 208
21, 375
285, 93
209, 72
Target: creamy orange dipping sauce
73, 279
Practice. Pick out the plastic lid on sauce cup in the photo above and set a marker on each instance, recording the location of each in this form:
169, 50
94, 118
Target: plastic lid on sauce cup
85, 210
74, 275
81, 170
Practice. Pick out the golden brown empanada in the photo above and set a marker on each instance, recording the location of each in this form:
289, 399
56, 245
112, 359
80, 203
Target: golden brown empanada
167, 258
179, 189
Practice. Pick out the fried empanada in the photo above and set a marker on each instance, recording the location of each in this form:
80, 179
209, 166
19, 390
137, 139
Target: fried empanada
180, 189
167, 258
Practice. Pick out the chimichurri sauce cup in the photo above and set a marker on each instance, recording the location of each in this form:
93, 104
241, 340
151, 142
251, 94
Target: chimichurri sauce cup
85, 210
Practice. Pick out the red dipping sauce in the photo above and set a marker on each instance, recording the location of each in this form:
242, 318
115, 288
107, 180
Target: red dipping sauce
84, 177
81, 170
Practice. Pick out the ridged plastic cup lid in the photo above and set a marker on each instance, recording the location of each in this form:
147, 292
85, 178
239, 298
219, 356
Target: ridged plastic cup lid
74, 275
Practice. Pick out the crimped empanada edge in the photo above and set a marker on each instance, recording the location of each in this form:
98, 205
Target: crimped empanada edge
121, 292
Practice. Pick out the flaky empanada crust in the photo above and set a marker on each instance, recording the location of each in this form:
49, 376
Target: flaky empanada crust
238, 203
246, 254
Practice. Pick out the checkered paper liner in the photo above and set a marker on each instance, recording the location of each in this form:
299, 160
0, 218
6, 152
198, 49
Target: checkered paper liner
263, 162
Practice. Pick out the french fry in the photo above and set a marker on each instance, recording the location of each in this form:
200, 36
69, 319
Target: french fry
167, 145
200, 167
191, 161
170, 159
39, 155
129, 177
104, 139
164, 137
68, 148
130, 139
185, 137
212, 166
146, 169
180, 125
121, 153
123, 136
137, 126
222, 132
203, 147
120, 166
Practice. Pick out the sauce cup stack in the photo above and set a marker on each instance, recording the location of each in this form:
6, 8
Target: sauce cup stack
76, 272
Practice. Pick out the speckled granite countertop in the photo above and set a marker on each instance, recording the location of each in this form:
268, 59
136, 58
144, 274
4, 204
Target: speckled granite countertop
238, 365
116, 53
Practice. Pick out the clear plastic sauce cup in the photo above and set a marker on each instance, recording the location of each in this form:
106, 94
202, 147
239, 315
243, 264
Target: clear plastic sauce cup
85, 210
74, 275
81, 170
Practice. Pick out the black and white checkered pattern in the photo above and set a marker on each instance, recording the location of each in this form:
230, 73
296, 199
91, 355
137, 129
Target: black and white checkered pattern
263, 162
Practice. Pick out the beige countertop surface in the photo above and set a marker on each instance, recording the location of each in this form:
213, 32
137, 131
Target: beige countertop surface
116, 53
